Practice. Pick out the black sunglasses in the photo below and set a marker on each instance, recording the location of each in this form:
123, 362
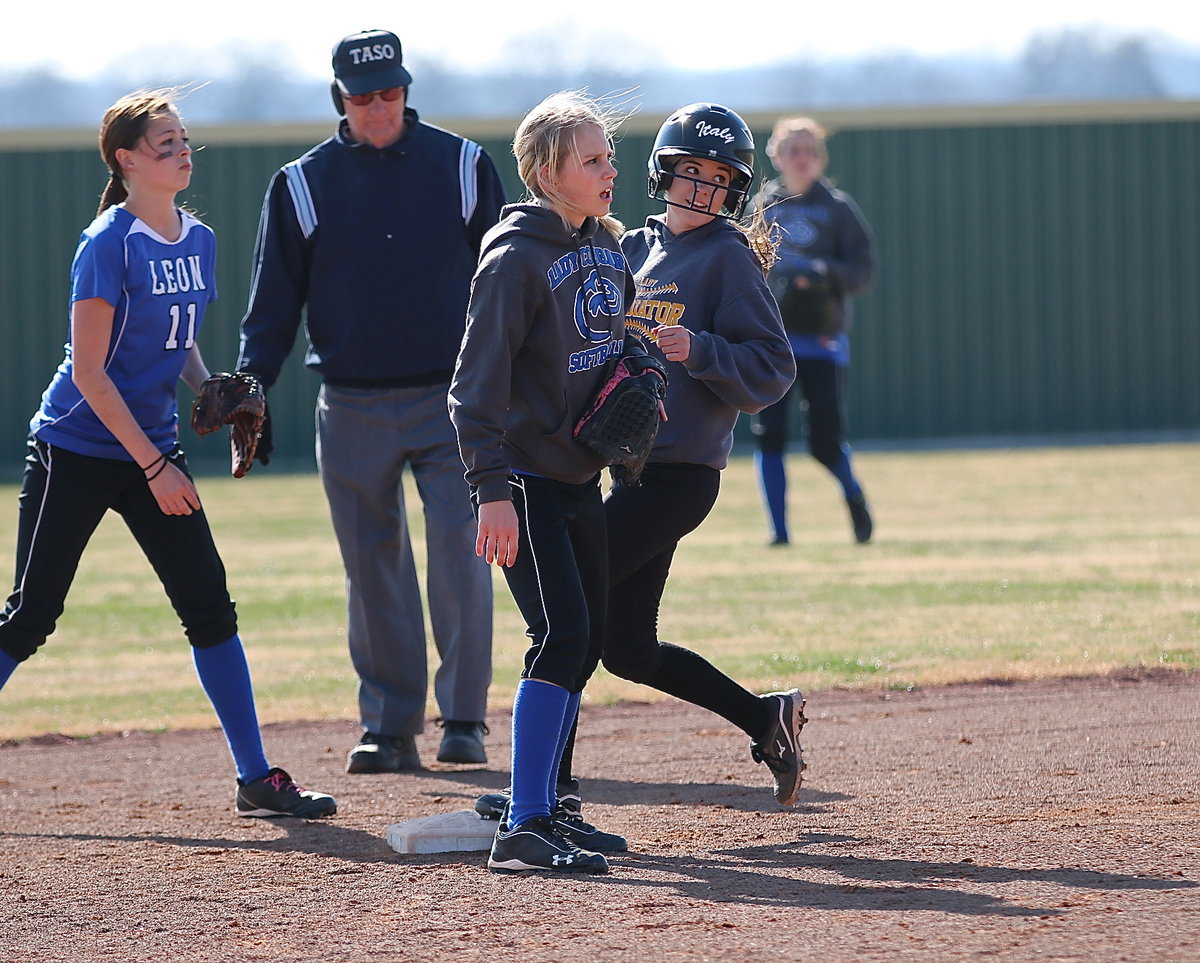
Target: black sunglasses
361, 100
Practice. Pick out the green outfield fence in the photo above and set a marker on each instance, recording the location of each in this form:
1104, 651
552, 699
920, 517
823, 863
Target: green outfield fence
1037, 266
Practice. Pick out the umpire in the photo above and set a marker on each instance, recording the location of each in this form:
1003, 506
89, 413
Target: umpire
373, 236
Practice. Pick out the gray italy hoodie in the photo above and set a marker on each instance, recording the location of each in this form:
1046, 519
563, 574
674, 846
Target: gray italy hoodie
708, 280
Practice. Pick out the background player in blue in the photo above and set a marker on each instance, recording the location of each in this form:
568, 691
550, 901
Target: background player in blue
702, 301
826, 255
545, 328
372, 238
106, 434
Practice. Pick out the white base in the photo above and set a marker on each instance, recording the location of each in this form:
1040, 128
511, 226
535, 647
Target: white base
461, 832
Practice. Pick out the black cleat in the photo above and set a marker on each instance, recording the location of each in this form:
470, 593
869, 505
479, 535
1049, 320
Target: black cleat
585, 835
276, 795
493, 805
779, 746
537, 844
860, 517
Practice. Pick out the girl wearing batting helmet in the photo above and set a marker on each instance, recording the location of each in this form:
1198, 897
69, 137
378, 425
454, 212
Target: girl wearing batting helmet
106, 434
545, 329
703, 306
703, 303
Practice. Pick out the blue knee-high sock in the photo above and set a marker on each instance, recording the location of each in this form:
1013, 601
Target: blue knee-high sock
226, 679
772, 480
568, 724
538, 712
845, 474
8, 665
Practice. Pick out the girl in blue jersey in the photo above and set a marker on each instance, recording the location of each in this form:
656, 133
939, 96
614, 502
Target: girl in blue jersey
826, 256
106, 434
545, 326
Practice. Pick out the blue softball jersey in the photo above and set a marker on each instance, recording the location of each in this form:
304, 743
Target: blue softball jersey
159, 290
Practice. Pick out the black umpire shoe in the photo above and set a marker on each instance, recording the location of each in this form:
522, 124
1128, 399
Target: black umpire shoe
375, 753
779, 746
276, 795
860, 518
462, 742
537, 844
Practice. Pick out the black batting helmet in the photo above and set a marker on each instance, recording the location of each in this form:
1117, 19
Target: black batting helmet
704, 130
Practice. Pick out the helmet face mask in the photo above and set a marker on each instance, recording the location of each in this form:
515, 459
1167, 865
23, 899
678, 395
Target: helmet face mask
706, 131
669, 177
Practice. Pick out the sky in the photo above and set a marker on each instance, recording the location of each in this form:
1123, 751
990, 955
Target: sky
80, 40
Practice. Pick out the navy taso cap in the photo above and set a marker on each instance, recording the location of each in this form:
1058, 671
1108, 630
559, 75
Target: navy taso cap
368, 61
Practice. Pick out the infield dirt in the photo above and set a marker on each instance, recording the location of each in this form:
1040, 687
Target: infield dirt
1052, 820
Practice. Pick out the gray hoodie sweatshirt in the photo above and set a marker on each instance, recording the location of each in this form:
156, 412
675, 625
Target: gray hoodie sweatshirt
708, 280
545, 326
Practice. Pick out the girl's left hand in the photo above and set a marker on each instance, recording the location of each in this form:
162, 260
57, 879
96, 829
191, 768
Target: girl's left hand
174, 491
674, 340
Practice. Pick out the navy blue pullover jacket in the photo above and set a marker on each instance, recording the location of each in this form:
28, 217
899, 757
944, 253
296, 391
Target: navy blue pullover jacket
822, 224
546, 326
375, 249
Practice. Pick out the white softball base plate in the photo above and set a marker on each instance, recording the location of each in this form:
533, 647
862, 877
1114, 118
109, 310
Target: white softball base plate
461, 832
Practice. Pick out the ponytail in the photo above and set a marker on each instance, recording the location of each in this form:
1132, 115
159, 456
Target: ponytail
114, 193
763, 238
612, 225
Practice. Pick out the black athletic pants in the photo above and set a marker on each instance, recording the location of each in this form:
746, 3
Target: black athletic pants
560, 579
823, 386
63, 498
645, 525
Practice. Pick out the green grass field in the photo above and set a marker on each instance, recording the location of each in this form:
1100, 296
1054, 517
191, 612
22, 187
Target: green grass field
1001, 564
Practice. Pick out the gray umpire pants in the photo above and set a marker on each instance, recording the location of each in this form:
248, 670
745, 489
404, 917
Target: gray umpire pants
365, 440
